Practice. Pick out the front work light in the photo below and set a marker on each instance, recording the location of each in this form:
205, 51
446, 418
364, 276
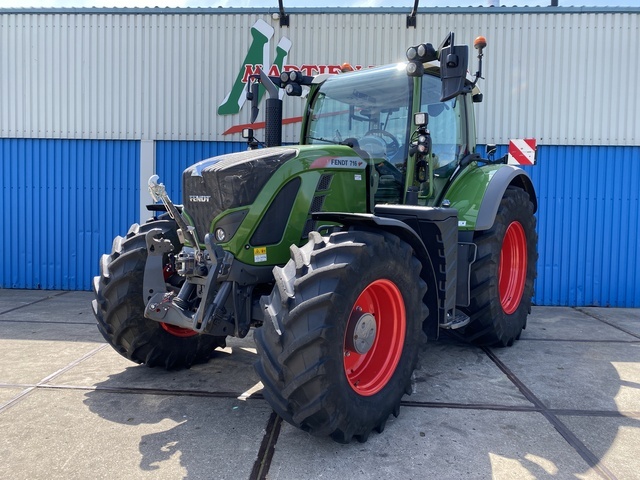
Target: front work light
422, 53
293, 89
420, 119
415, 69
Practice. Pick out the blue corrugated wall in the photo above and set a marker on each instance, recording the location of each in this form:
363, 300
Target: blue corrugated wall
63, 202
66, 200
588, 225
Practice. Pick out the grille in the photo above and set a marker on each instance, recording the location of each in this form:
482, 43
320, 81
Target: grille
316, 204
228, 181
274, 221
325, 182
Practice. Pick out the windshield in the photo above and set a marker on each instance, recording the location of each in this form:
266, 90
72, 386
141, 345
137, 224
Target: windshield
371, 107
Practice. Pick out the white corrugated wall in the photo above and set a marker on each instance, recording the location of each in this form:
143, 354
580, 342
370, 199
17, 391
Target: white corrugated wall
564, 78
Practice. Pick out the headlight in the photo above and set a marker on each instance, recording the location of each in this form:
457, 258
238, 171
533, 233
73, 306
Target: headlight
220, 235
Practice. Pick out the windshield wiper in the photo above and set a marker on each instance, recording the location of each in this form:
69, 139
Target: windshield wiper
320, 139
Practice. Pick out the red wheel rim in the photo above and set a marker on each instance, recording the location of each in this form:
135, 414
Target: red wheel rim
178, 331
513, 267
370, 371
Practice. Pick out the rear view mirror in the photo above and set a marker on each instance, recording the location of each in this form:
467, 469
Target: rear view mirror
454, 60
435, 109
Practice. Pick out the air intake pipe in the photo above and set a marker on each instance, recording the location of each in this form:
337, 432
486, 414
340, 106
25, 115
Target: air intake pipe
273, 116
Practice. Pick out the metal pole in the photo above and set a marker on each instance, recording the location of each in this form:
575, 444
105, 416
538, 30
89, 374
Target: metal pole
411, 19
284, 18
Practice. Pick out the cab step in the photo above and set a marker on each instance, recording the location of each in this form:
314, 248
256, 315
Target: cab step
456, 320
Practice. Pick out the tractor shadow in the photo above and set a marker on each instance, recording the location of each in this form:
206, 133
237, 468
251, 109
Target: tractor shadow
203, 422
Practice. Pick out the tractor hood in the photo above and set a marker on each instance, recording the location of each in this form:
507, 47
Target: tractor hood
228, 181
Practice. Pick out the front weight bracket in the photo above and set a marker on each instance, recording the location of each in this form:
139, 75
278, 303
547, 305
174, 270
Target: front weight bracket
153, 281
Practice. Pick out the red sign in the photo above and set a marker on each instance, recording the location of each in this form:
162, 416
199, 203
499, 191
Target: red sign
522, 151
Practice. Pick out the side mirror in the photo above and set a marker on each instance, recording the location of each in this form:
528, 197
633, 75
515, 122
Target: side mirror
247, 134
490, 151
454, 60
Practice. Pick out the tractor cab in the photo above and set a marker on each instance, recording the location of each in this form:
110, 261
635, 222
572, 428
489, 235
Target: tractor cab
373, 112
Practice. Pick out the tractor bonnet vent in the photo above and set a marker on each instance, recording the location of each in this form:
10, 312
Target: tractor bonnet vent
317, 203
325, 182
234, 180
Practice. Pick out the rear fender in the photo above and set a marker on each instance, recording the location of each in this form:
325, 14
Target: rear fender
477, 193
503, 178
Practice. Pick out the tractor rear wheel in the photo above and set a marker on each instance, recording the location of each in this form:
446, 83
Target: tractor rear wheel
342, 333
502, 276
119, 306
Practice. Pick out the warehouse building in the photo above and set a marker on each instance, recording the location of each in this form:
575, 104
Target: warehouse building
94, 101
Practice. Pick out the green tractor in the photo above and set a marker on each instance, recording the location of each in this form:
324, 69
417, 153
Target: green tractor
382, 226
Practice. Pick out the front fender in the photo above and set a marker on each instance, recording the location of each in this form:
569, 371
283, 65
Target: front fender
410, 236
391, 225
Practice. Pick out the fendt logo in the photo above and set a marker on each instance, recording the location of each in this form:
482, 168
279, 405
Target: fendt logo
257, 57
199, 198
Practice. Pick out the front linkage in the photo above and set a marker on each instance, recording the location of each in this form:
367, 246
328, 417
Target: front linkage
208, 273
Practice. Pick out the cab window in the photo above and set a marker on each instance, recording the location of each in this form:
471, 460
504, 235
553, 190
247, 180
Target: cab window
445, 126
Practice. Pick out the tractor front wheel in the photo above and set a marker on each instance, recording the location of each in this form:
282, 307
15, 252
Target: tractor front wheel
119, 306
342, 333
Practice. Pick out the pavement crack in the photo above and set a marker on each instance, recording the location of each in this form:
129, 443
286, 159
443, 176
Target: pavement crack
587, 455
267, 448
42, 383
45, 322
71, 365
568, 340
470, 406
606, 322
153, 391
49, 297
16, 399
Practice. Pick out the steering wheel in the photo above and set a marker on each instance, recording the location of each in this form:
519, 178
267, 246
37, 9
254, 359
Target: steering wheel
391, 142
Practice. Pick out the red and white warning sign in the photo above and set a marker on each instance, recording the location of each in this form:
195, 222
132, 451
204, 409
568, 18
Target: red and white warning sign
522, 151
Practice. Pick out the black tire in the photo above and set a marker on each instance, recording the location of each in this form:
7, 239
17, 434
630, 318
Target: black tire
119, 307
309, 377
499, 312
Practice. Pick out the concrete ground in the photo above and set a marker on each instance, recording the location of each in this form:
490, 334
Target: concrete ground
564, 402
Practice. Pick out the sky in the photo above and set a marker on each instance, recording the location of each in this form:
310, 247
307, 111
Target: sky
302, 3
